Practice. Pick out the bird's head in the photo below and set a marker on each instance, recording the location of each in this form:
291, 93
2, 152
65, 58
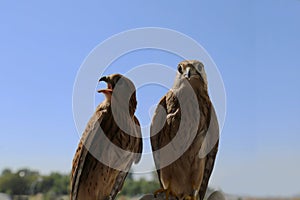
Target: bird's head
192, 70
121, 89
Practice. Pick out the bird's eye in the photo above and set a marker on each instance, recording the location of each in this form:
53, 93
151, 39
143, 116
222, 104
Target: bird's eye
179, 68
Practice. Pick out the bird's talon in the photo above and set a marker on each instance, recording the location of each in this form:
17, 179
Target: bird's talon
168, 192
158, 192
190, 198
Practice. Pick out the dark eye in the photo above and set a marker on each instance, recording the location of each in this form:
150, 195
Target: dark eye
179, 68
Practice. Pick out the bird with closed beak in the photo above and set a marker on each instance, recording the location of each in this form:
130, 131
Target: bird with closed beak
185, 135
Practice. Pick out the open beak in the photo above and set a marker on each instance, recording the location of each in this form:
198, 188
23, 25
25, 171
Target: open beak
109, 88
104, 78
187, 73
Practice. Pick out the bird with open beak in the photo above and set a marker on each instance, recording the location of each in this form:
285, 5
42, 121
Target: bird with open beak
106, 151
108, 91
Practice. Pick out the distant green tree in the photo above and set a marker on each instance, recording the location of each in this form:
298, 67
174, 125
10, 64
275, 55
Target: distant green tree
137, 187
44, 185
55, 183
15, 183
6, 172
25, 182
60, 183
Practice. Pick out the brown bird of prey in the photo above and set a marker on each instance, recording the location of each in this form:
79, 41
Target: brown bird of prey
110, 144
185, 135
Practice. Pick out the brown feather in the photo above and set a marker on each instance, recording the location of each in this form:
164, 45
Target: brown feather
189, 172
91, 179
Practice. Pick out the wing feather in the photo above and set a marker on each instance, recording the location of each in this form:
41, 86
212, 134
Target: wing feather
138, 148
81, 152
159, 117
212, 138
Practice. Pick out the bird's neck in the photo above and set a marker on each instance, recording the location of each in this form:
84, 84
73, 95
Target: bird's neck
122, 105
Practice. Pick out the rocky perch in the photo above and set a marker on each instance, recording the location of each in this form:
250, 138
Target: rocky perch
217, 195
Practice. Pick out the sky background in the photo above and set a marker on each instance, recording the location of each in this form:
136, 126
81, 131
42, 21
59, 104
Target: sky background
255, 45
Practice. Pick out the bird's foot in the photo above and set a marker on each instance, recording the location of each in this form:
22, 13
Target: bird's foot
194, 196
159, 191
190, 198
168, 192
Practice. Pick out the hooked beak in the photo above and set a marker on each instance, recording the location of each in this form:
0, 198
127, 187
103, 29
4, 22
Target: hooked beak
104, 78
109, 86
187, 73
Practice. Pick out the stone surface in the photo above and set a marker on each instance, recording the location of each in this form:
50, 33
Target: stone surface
217, 195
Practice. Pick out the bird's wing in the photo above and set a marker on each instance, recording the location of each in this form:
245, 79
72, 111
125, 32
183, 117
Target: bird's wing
138, 148
82, 150
210, 143
165, 125
118, 185
158, 125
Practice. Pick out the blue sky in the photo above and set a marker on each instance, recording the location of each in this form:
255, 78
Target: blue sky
255, 45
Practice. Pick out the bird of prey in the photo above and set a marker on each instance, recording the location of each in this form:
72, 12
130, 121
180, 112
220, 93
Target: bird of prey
109, 145
185, 135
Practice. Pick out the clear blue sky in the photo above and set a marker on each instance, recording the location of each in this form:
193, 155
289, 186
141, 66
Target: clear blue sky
255, 44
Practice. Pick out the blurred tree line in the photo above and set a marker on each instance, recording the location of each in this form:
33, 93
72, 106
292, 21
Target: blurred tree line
133, 187
29, 182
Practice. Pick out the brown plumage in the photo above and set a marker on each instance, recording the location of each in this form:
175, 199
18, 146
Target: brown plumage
109, 145
184, 135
